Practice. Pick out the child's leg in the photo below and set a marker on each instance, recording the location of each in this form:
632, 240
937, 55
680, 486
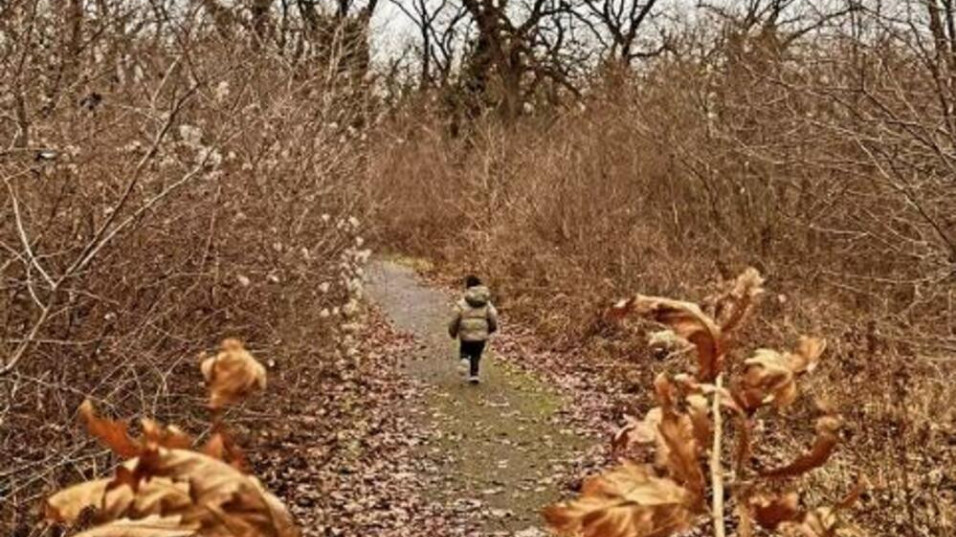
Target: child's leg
476, 350
464, 359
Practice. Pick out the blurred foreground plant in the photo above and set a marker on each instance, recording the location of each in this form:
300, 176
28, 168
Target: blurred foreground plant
688, 432
165, 488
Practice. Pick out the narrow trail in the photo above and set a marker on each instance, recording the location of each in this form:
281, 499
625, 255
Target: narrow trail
496, 446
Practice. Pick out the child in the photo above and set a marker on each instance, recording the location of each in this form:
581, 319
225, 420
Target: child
475, 320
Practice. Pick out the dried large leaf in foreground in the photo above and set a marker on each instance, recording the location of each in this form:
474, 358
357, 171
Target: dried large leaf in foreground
678, 435
232, 374
197, 490
146, 527
68, 504
767, 379
698, 409
628, 501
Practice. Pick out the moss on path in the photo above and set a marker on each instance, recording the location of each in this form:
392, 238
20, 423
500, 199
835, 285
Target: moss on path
497, 445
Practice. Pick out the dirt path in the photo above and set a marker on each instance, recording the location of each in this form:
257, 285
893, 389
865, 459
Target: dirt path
496, 447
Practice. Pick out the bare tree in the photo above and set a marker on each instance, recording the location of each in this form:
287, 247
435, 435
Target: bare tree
505, 50
618, 26
440, 32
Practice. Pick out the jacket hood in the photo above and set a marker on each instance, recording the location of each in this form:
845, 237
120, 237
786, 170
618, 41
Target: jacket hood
477, 296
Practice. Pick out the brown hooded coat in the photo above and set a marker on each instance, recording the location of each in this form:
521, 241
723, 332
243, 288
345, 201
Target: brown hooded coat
475, 316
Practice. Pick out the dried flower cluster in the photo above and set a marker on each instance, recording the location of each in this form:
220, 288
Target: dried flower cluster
686, 432
351, 271
166, 489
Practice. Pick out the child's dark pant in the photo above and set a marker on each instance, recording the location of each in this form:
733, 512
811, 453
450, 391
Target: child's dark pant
472, 351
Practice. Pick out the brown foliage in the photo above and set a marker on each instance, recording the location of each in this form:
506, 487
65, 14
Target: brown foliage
115, 434
232, 374
203, 495
628, 501
770, 377
681, 428
824, 443
771, 511
687, 321
164, 488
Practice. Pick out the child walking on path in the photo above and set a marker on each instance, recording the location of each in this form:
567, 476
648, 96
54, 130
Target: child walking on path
475, 320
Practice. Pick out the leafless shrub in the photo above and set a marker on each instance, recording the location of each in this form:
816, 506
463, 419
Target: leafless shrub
163, 187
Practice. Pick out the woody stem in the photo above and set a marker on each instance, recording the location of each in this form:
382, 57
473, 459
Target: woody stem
716, 472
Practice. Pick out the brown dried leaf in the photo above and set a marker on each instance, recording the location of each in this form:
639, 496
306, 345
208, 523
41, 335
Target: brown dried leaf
677, 436
203, 492
232, 374
823, 446
669, 342
678, 451
221, 495
152, 526
628, 501
739, 302
771, 511
665, 391
637, 432
821, 522
688, 385
689, 322
171, 437
807, 355
160, 495
698, 408
126, 495
68, 504
113, 434
221, 446
826, 521
767, 378
770, 377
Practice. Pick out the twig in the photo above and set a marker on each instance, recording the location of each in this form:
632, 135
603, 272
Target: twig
104, 235
716, 473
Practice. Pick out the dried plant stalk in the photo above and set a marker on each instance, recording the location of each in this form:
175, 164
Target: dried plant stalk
716, 471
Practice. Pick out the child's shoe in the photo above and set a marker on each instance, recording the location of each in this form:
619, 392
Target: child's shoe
463, 365
473, 379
